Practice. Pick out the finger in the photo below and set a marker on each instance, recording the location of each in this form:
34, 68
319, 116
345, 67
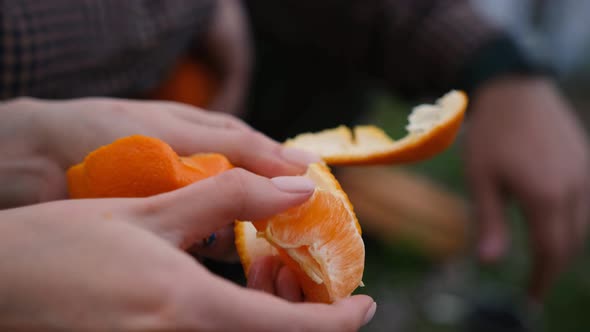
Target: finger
491, 219
270, 275
206, 118
263, 273
287, 286
30, 181
551, 247
247, 149
189, 214
258, 311
219, 246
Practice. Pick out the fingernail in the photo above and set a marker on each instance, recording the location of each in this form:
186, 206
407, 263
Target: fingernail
299, 157
293, 184
370, 313
209, 240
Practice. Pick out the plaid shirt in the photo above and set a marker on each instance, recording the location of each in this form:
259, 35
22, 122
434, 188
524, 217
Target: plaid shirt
75, 48
417, 47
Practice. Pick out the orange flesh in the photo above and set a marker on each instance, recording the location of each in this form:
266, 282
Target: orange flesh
321, 244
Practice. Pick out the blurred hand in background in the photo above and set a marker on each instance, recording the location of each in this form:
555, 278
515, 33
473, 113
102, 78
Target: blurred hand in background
524, 142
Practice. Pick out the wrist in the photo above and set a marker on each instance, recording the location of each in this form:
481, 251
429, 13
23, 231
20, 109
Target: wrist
515, 95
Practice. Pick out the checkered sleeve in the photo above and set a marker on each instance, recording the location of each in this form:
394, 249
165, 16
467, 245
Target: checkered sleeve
426, 46
74, 48
417, 47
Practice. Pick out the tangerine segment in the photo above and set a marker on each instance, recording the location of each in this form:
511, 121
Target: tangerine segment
249, 246
320, 240
431, 129
139, 166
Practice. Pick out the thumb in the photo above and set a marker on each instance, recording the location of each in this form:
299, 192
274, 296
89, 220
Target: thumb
193, 212
490, 214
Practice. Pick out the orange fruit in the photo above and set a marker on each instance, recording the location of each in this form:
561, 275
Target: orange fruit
431, 129
320, 240
139, 166
191, 82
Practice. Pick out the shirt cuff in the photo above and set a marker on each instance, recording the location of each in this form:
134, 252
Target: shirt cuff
500, 56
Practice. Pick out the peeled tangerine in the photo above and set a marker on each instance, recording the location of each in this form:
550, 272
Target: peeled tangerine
319, 240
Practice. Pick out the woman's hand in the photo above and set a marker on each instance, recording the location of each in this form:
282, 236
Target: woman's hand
270, 275
117, 264
39, 140
524, 141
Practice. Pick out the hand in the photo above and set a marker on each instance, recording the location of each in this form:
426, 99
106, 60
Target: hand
228, 46
39, 140
116, 264
523, 138
270, 275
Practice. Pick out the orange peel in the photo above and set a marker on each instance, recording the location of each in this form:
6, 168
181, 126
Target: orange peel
431, 129
139, 166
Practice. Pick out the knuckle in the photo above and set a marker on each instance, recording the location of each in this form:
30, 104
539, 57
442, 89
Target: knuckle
150, 206
236, 177
246, 138
252, 138
230, 121
117, 108
235, 189
157, 302
164, 304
